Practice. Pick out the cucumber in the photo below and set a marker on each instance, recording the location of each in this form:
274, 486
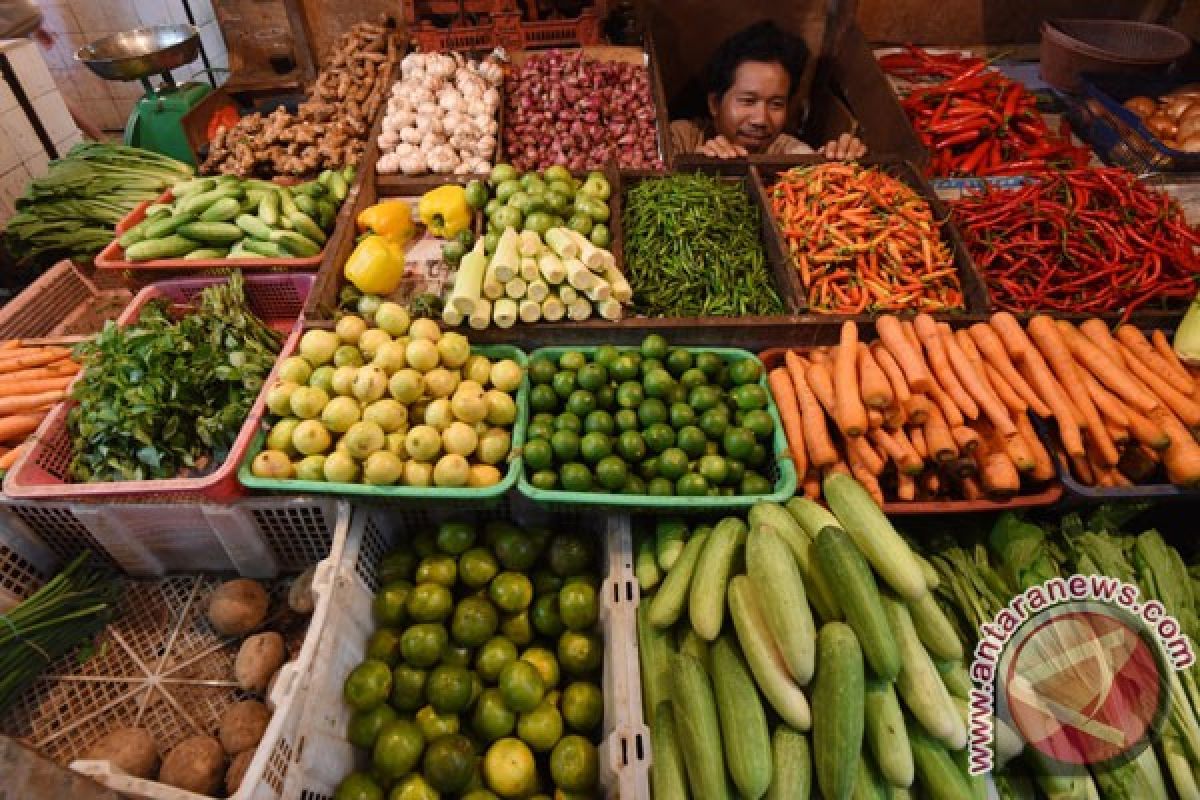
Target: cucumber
667, 604
935, 629
775, 576
134, 234
155, 249
743, 721
219, 233
669, 537
932, 581
287, 204
706, 597
165, 226
224, 209
306, 203
158, 209
845, 567
868, 784
764, 659
198, 203
791, 762
885, 734
667, 777
810, 516
937, 774
303, 224
265, 249
338, 186
955, 676
207, 253
268, 210
645, 567
192, 186
699, 733
654, 654
838, 710
796, 535
691, 643
870, 529
298, 245
326, 213
919, 684
254, 227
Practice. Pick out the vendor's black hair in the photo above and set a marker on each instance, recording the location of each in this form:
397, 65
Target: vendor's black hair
763, 41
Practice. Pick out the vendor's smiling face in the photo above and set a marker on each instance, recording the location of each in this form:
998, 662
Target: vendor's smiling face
752, 112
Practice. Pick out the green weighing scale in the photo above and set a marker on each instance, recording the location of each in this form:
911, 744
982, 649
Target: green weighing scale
156, 122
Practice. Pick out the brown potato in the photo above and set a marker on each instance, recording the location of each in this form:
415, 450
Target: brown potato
237, 771
237, 607
1187, 128
1142, 106
1174, 107
196, 764
1190, 144
257, 660
242, 726
131, 750
1161, 126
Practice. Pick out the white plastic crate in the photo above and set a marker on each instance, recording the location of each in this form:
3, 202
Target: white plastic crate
324, 757
159, 665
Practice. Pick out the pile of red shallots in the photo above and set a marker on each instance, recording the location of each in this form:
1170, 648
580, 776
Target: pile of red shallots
562, 109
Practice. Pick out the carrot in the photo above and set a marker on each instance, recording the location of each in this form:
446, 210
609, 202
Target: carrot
971, 490
1168, 354
1043, 467
10, 457
789, 415
1147, 432
874, 418
1082, 469
10, 344
917, 409
1182, 456
821, 452
851, 416
29, 402
819, 355
37, 358
931, 483
1034, 369
1012, 335
57, 369
916, 373
999, 475
861, 449
917, 437
915, 461
938, 440
16, 388
965, 438
837, 467
1103, 366
19, 425
1052, 340
870, 483
1118, 434
974, 384
812, 484
996, 356
950, 410
906, 487
899, 451
873, 383
1107, 404
895, 376
1015, 404
821, 383
894, 417
939, 365
1140, 347
1180, 404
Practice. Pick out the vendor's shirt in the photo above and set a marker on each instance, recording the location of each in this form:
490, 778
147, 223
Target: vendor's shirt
687, 136
18, 18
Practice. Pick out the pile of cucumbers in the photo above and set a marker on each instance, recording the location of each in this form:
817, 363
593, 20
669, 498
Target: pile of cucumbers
232, 217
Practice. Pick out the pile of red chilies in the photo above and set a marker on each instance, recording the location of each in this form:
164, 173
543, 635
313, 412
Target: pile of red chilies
1087, 240
975, 121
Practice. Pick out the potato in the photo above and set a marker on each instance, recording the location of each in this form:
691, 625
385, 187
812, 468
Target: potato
1188, 127
1190, 144
257, 660
300, 595
196, 764
242, 726
237, 771
1142, 106
1161, 126
131, 750
237, 607
1174, 107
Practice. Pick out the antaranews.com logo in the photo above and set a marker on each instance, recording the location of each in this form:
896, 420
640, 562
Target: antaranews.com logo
1078, 668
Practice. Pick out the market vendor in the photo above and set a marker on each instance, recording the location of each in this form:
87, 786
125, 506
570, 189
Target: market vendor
748, 82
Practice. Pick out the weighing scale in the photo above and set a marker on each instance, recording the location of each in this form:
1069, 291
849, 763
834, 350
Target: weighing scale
156, 122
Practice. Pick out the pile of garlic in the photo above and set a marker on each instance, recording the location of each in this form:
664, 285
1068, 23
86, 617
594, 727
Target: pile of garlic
441, 117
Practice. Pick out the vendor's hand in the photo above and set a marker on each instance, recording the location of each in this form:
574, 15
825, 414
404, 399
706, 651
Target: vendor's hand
844, 148
720, 147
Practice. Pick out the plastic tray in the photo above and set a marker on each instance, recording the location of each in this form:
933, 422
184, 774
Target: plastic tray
314, 771
466, 496
159, 665
113, 255
61, 302
1047, 495
780, 467
40, 473
1110, 91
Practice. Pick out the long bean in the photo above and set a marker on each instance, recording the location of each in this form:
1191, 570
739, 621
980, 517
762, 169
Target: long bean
692, 249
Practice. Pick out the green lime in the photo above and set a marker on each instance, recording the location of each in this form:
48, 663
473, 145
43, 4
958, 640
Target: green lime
408, 688
545, 663
516, 549
580, 652
657, 382
475, 620
592, 376
714, 422
541, 370
746, 371
692, 485
691, 440
388, 607
570, 554
738, 443
542, 398
449, 764
760, 423
659, 437
581, 403
583, 706
545, 582
634, 485
599, 422
449, 689
630, 395
574, 765
611, 472
422, 645
714, 469
397, 749
434, 723
703, 398
595, 446
758, 456
455, 538
365, 725
753, 483
676, 395
398, 565
749, 396
606, 398
424, 543
578, 606
511, 591
572, 360
652, 411
576, 477
737, 470
480, 794
456, 655
648, 469
692, 378
384, 645
679, 361
568, 421
510, 769
654, 346
605, 355
493, 656
544, 616
441, 569
710, 364
358, 786
673, 463
492, 720
430, 602
521, 686
649, 365
517, 627
546, 480
681, 415
660, 487
539, 430
540, 728
565, 445
625, 367
368, 685
542, 417
631, 446
539, 454
564, 383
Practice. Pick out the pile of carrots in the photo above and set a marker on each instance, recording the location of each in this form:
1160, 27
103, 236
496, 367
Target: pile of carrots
926, 412
863, 240
33, 379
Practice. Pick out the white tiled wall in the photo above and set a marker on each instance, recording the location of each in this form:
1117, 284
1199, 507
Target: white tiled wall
74, 23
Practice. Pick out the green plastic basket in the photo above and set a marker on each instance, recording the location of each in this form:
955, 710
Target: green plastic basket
463, 498
780, 463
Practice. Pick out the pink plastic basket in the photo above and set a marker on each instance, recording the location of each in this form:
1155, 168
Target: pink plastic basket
40, 473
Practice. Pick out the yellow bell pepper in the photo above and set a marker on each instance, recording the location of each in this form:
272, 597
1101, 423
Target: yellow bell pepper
391, 218
445, 211
376, 266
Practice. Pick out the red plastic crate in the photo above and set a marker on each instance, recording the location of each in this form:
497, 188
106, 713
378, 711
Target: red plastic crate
41, 472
